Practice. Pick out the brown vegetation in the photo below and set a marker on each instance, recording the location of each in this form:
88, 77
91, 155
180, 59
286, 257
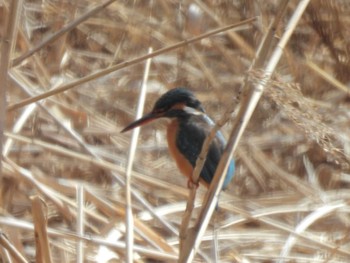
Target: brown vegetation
74, 84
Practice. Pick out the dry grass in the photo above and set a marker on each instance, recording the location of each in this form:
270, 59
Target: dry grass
64, 184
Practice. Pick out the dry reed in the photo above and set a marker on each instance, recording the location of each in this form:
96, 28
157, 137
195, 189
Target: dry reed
74, 77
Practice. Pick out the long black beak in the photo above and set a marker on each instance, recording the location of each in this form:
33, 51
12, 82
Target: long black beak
145, 119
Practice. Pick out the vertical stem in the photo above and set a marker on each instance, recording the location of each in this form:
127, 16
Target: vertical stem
80, 222
129, 216
241, 123
7, 44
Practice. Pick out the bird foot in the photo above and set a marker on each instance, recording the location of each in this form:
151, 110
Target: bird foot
191, 184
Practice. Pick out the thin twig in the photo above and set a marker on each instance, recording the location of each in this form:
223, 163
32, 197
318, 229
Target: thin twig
43, 251
7, 44
129, 216
61, 32
328, 77
124, 65
80, 221
5, 243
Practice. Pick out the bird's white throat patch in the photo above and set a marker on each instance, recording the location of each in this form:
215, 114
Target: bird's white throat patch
193, 111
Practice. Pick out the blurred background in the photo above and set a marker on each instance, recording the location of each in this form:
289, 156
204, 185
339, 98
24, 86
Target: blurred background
289, 200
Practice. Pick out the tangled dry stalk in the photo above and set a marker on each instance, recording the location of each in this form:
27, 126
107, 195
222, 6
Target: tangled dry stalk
71, 73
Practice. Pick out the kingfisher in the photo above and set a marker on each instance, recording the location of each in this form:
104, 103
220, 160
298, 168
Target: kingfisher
188, 127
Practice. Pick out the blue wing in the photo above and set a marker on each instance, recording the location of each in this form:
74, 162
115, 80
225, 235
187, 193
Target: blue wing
231, 168
189, 141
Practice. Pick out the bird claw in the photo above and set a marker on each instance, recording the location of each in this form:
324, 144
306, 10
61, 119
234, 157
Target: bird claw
191, 184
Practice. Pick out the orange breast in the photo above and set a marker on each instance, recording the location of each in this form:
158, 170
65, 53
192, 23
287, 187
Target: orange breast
184, 166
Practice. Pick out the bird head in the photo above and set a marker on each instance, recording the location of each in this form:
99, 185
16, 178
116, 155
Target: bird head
176, 103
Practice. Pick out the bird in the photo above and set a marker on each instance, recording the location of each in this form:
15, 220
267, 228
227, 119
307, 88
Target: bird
188, 127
